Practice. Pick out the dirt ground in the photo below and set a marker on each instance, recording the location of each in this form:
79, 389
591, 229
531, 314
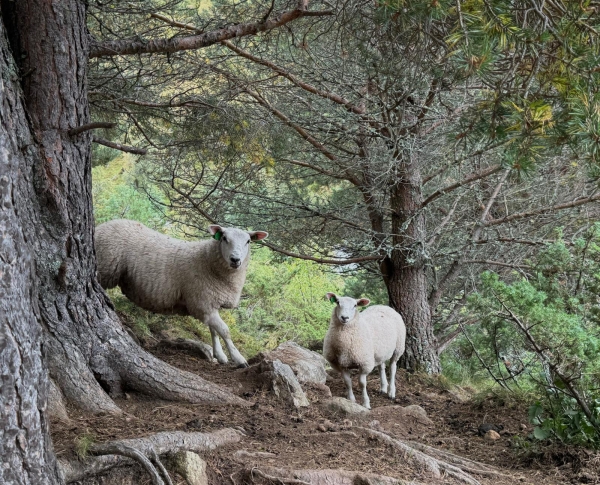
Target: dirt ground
314, 438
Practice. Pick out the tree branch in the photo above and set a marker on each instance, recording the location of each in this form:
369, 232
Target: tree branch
301, 131
360, 259
90, 126
307, 87
472, 178
543, 210
119, 146
176, 44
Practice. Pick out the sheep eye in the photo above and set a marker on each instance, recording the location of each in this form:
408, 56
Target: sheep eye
224, 239
248, 241
355, 305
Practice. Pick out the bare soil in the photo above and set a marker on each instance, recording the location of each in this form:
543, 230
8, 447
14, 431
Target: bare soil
314, 438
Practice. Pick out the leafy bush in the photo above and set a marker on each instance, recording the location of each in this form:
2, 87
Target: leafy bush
542, 331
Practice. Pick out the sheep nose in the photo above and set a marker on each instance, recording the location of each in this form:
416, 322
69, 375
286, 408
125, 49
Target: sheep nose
344, 319
234, 261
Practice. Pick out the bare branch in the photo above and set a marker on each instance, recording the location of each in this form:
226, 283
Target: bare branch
119, 146
543, 210
472, 178
295, 80
176, 44
496, 263
360, 259
90, 126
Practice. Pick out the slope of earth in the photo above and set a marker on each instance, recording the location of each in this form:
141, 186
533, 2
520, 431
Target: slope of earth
314, 438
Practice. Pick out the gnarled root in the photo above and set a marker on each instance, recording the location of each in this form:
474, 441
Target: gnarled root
142, 450
288, 476
432, 464
463, 463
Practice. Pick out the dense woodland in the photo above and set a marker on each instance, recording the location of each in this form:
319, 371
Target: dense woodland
441, 157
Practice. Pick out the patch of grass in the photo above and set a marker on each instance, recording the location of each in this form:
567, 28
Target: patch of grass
83, 444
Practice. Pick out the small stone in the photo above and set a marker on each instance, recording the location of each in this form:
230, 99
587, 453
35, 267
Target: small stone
523, 427
191, 467
322, 428
329, 425
491, 435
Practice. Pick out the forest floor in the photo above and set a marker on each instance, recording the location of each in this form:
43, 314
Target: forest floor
313, 438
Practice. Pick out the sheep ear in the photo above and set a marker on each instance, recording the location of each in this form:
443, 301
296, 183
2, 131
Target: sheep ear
258, 235
363, 302
216, 231
331, 297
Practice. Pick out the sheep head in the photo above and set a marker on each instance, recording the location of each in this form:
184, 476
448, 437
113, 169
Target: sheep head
346, 307
235, 243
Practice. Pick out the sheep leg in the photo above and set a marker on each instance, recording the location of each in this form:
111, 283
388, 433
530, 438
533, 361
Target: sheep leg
217, 325
383, 379
217, 349
393, 366
348, 380
363, 387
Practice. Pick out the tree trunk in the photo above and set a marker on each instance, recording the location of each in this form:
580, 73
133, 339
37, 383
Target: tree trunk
25, 449
404, 272
89, 354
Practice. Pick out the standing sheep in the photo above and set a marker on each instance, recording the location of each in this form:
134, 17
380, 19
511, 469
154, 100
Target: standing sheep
362, 341
169, 276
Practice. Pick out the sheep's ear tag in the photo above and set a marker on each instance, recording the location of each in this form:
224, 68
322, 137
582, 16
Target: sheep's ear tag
333, 300
217, 235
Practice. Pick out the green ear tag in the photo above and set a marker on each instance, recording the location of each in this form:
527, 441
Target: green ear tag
333, 300
217, 235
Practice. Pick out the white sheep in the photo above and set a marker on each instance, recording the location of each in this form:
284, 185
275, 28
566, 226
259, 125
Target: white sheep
363, 340
170, 276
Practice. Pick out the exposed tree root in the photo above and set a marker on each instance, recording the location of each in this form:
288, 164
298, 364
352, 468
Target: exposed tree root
432, 464
200, 349
463, 463
89, 375
289, 476
123, 450
120, 453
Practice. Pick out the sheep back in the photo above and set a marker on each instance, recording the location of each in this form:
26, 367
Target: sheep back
163, 274
387, 331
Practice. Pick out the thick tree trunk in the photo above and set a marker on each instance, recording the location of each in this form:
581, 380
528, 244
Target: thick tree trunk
90, 356
404, 272
25, 449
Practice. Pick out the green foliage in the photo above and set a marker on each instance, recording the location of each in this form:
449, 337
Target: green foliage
542, 332
285, 300
83, 444
116, 195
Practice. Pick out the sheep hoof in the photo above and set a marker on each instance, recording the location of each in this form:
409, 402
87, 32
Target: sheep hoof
243, 365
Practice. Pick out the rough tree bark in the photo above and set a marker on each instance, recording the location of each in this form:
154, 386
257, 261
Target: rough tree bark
89, 354
404, 272
25, 449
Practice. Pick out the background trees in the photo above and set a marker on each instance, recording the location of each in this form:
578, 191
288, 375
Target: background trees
421, 143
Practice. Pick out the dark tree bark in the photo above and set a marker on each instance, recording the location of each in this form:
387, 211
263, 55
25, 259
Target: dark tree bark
25, 448
89, 355
404, 272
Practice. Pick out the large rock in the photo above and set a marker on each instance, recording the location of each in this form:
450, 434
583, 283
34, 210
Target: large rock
308, 366
280, 380
343, 407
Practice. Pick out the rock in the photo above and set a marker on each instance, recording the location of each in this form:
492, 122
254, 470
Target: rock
523, 427
190, 466
485, 427
491, 435
412, 412
418, 413
308, 366
283, 383
344, 407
